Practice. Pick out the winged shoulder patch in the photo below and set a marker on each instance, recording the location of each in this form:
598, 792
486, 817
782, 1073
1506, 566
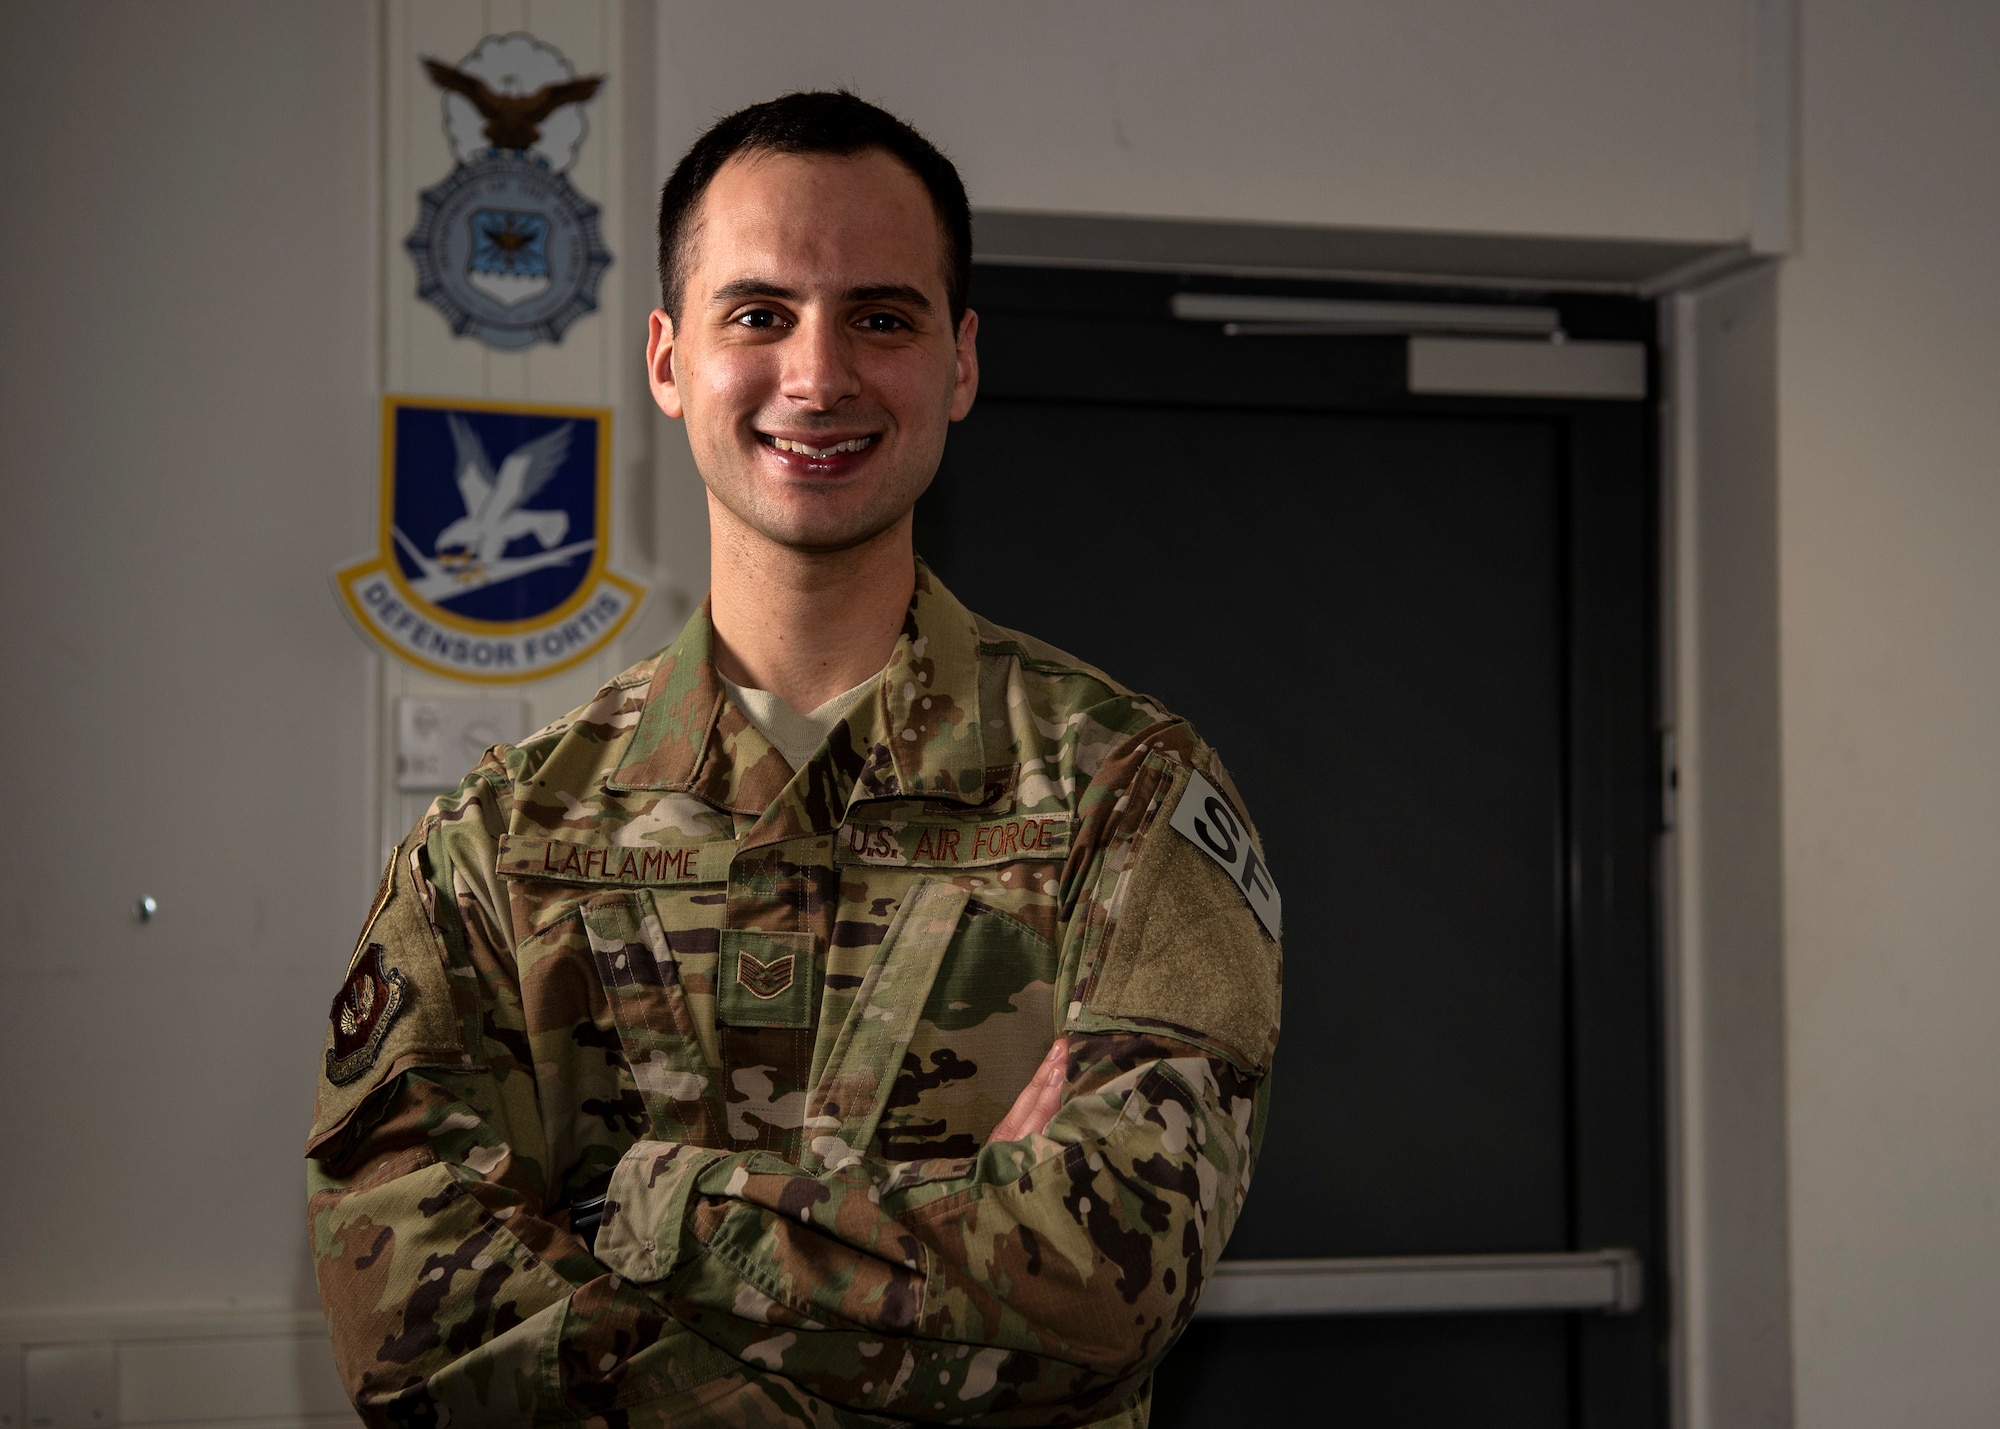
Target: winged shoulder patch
370, 999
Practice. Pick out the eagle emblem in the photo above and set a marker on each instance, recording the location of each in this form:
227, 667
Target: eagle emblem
357, 1008
367, 1003
471, 551
505, 247
494, 531
511, 121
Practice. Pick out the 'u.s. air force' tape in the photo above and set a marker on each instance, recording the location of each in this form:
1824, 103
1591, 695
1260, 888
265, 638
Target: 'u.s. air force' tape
1208, 822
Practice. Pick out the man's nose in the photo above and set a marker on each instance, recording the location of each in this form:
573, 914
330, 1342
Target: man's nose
820, 372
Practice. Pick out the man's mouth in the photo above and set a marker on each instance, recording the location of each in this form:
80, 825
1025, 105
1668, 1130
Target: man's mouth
805, 449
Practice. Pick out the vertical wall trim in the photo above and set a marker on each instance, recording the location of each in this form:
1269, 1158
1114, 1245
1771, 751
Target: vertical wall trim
1774, 102
590, 366
375, 735
1725, 972
640, 182
1678, 828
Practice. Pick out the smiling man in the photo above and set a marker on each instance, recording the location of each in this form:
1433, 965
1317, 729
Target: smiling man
858, 1013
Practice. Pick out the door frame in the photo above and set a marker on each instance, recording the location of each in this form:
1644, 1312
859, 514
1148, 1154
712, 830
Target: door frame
1719, 887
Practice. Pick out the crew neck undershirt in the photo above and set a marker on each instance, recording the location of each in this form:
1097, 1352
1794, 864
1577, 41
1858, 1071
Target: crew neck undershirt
796, 736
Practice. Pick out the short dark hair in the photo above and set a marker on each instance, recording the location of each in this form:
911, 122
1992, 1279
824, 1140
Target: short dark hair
817, 121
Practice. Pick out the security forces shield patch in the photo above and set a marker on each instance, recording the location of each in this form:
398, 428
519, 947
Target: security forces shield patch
493, 535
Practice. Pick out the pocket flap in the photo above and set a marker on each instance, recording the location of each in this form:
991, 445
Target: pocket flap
851, 1090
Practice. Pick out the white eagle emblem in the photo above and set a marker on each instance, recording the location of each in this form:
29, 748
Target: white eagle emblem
470, 553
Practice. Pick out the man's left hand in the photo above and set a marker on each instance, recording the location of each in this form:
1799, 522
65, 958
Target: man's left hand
1038, 1100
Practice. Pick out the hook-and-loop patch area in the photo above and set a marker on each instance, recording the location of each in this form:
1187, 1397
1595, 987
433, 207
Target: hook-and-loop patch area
767, 979
368, 1002
1205, 818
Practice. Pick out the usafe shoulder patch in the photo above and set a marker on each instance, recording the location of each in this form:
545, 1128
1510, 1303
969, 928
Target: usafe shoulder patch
640, 865
393, 1011
958, 844
1204, 817
366, 1004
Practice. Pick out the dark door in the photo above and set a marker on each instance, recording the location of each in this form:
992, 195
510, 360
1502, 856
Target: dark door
1420, 631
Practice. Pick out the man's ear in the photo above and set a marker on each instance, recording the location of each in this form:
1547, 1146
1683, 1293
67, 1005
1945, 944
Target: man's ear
965, 377
660, 362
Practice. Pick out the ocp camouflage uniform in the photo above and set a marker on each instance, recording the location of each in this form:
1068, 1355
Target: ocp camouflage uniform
781, 1013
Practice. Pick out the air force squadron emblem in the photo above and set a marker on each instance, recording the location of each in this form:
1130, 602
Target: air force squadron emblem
505, 248
495, 526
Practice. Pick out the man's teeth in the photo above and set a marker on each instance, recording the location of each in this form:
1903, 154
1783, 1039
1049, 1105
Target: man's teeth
852, 444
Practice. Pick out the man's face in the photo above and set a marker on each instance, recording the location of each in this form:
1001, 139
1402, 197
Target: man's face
815, 362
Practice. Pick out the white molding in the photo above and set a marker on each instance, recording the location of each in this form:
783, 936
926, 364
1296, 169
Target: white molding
1539, 262
1677, 375
1722, 904
69, 1327
224, 1367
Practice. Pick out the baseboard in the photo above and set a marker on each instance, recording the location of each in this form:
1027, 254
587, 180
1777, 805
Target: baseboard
233, 1369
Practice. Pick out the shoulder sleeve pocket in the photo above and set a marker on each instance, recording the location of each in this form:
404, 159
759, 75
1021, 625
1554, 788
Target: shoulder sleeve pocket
393, 1011
1189, 948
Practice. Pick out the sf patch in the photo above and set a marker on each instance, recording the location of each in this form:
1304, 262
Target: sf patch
367, 1003
1205, 818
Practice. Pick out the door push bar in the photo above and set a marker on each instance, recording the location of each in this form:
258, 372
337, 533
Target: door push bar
1611, 1281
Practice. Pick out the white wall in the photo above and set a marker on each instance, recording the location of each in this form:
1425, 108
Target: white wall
1889, 519
186, 392
1538, 116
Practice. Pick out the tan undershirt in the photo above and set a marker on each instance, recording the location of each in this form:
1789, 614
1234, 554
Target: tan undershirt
794, 735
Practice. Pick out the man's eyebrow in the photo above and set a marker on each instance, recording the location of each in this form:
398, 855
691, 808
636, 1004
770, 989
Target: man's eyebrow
742, 288
739, 289
890, 293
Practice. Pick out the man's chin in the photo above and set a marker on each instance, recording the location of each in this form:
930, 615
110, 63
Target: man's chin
820, 533
819, 542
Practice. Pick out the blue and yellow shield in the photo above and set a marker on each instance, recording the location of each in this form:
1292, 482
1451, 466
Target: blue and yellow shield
495, 529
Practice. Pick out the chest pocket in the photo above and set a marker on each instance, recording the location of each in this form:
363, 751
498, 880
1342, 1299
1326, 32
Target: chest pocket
850, 1089
648, 985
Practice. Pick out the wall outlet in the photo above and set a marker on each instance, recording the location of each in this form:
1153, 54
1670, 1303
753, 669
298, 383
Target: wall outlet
439, 740
71, 1386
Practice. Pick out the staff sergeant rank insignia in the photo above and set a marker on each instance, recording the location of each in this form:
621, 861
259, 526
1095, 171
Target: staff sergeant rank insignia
505, 248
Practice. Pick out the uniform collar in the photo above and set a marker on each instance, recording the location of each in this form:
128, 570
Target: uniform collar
918, 735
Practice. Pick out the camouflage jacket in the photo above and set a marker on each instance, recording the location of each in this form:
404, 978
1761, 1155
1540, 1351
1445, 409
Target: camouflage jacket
777, 1014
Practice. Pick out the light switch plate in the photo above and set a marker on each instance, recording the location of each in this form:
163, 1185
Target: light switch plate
72, 1386
439, 740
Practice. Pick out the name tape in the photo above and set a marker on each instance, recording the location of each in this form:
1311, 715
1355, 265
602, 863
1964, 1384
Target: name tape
640, 865
1205, 819
926, 845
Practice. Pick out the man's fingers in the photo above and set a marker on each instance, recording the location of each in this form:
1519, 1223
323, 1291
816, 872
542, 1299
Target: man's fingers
1048, 1100
1039, 1100
1011, 1125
